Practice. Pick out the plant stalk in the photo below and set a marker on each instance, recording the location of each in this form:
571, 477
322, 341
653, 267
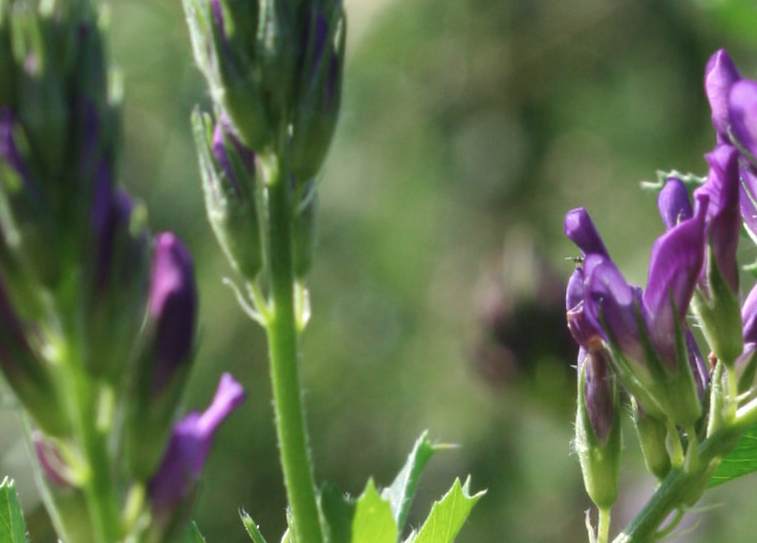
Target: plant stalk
283, 345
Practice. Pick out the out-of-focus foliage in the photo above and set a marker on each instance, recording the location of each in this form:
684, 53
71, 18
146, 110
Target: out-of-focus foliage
469, 127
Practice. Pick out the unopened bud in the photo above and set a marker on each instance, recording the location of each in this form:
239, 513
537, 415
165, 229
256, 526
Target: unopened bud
652, 434
164, 364
598, 428
228, 182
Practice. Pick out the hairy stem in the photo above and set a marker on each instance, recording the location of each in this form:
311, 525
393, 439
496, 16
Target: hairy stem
284, 353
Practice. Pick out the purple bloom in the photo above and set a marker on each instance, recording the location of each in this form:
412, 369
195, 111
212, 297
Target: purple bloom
748, 200
580, 229
674, 266
188, 448
673, 203
742, 103
720, 76
173, 306
723, 212
608, 299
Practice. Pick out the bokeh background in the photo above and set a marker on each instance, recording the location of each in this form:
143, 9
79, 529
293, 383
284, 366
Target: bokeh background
469, 127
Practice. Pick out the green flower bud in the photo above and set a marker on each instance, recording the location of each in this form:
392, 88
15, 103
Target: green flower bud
227, 50
319, 93
26, 371
652, 434
597, 440
117, 279
228, 181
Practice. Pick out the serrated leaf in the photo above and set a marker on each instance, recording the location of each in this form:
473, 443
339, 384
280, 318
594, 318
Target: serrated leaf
742, 460
193, 534
402, 490
448, 515
339, 512
12, 528
373, 521
251, 527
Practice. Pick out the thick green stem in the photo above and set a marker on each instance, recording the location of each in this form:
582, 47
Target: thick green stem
284, 353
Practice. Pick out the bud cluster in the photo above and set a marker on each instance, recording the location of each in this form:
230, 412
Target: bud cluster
640, 338
97, 317
274, 71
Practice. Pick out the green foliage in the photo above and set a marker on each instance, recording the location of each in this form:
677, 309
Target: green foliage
447, 515
12, 528
373, 521
338, 511
401, 492
742, 460
379, 517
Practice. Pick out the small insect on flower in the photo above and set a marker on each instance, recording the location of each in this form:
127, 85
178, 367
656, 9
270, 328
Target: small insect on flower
577, 260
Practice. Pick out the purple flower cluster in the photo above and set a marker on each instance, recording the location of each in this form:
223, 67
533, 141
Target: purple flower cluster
642, 333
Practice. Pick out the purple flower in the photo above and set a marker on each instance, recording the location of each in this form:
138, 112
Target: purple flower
580, 229
673, 203
173, 306
723, 212
674, 266
720, 76
742, 102
642, 328
188, 448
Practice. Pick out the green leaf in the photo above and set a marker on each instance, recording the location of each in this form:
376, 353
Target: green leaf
339, 512
12, 528
742, 460
447, 515
193, 534
373, 521
401, 492
251, 527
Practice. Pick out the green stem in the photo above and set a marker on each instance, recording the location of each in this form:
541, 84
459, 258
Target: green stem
284, 353
681, 486
603, 527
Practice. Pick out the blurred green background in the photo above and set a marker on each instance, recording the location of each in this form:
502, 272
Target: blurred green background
469, 127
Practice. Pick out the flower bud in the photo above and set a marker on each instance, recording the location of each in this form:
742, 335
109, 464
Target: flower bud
598, 427
172, 486
228, 182
118, 279
74, 522
318, 93
26, 373
227, 49
166, 355
673, 203
720, 75
716, 302
652, 434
